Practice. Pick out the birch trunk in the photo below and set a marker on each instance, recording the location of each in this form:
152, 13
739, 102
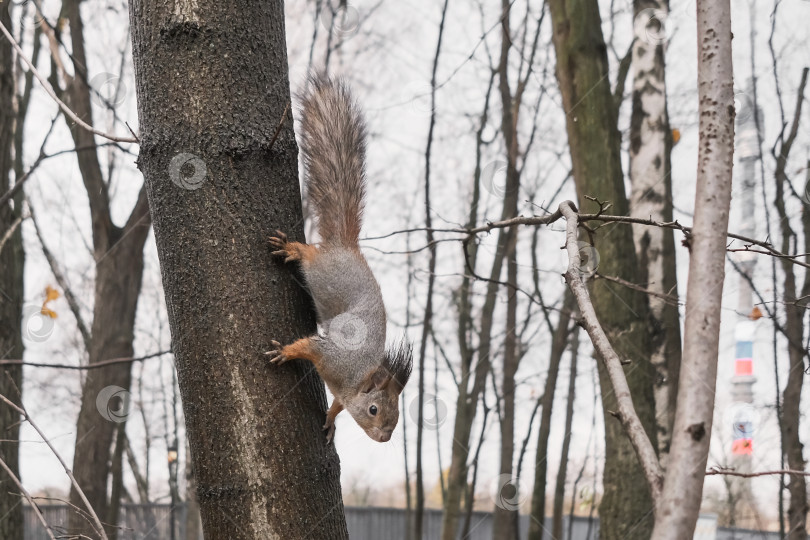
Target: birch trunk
651, 198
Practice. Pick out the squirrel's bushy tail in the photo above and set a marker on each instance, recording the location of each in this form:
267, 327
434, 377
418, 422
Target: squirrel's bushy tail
333, 144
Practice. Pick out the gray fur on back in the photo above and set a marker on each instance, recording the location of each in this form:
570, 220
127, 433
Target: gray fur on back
351, 313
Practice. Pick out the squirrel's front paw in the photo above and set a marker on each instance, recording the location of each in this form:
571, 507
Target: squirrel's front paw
280, 244
276, 355
329, 427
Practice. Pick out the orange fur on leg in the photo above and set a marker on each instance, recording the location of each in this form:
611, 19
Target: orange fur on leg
292, 251
303, 348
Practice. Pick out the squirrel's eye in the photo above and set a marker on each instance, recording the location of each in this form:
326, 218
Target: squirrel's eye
373, 410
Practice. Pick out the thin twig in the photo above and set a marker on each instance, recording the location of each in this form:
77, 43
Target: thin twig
606, 218
668, 298
53, 95
103, 363
11, 230
96, 522
731, 472
30, 499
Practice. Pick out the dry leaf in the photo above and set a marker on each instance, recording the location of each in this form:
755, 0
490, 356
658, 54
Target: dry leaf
50, 294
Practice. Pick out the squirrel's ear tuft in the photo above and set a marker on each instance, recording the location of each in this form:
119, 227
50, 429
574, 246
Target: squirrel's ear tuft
398, 361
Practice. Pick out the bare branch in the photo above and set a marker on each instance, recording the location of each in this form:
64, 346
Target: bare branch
28, 497
59, 102
11, 230
615, 279
731, 472
606, 218
613, 364
19, 362
96, 522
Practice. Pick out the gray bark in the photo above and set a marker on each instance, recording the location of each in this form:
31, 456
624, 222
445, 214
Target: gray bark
559, 341
794, 331
214, 86
678, 508
559, 489
12, 259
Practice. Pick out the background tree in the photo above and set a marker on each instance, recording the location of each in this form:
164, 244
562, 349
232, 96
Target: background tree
594, 141
679, 505
118, 255
221, 170
794, 327
11, 295
651, 198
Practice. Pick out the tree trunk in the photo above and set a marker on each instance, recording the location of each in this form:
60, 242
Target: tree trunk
558, 343
559, 489
118, 253
105, 394
192, 524
457, 473
504, 524
212, 90
582, 71
794, 331
679, 504
651, 198
427, 328
12, 258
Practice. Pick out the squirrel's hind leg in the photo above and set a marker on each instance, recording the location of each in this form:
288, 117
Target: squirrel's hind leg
291, 251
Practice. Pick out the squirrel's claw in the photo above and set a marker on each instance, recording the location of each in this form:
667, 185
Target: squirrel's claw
276, 356
329, 427
279, 240
279, 244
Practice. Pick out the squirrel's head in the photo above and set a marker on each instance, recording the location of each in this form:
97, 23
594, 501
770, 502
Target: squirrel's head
376, 407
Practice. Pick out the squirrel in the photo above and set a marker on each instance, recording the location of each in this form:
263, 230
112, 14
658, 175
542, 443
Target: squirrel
349, 352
